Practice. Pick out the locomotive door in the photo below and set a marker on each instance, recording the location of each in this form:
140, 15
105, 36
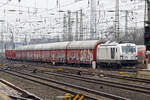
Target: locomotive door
112, 53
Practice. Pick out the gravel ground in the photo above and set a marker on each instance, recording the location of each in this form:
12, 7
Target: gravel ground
47, 93
44, 67
103, 88
99, 87
44, 92
4, 89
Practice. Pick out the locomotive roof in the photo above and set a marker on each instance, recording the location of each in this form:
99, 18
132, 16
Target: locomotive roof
88, 44
116, 44
47, 46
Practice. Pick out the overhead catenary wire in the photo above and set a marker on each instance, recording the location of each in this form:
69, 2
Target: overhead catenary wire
44, 12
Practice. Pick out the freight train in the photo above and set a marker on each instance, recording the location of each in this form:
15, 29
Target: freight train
77, 52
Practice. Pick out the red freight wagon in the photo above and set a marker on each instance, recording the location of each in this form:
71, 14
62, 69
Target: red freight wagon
7, 54
10, 54
80, 52
83, 52
57, 52
50, 52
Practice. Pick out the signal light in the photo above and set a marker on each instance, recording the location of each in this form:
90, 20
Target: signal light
146, 56
147, 35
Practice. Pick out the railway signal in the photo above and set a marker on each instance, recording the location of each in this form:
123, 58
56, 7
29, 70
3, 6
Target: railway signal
147, 27
147, 37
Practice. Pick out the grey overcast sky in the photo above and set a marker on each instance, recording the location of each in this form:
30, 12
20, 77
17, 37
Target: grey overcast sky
68, 4
24, 14
50, 6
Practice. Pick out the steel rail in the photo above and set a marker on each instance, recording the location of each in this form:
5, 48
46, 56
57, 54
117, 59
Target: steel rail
136, 88
131, 87
120, 77
24, 94
99, 81
23, 75
126, 78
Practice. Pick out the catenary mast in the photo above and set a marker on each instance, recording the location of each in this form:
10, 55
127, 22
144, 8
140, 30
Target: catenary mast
93, 20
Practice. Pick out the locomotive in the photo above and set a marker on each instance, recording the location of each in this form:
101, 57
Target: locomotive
77, 52
117, 54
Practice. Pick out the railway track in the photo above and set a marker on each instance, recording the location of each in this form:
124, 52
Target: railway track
112, 75
73, 89
125, 86
84, 71
104, 82
67, 70
125, 78
140, 89
131, 87
24, 95
100, 73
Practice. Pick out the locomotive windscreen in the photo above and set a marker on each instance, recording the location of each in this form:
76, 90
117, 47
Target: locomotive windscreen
128, 49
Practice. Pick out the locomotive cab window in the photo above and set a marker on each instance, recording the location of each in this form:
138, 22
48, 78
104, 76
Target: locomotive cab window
112, 53
128, 49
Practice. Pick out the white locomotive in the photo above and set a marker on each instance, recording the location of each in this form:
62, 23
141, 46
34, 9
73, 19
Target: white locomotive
117, 54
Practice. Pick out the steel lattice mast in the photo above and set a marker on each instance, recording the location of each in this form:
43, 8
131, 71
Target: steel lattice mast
93, 19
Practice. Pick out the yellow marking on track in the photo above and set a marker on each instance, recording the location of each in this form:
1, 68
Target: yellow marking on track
67, 95
1, 64
121, 72
81, 98
60, 69
127, 74
90, 69
75, 98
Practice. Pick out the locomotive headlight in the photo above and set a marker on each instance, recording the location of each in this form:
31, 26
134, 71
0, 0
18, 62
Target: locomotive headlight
121, 57
136, 57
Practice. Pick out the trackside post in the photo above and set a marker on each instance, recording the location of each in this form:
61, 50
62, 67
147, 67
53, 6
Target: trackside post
94, 64
147, 60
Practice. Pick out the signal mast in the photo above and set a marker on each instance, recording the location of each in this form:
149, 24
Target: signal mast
147, 25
